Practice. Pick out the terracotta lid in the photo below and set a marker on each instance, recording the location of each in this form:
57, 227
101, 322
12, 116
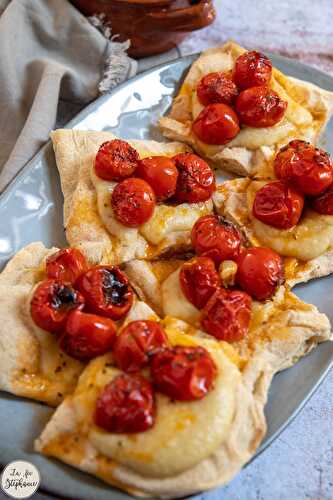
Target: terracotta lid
147, 2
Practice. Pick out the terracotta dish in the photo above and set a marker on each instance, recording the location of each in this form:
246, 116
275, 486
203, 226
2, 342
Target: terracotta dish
153, 26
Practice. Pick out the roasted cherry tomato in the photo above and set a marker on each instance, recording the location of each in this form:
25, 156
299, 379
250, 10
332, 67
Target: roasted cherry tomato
259, 272
216, 124
260, 107
126, 405
51, 304
217, 88
136, 343
183, 373
308, 168
198, 280
87, 336
278, 204
133, 202
252, 69
196, 180
116, 160
66, 265
161, 174
323, 204
107, 291
215, 237
227, 315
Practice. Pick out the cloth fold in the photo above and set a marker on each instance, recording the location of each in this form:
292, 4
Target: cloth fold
53, 62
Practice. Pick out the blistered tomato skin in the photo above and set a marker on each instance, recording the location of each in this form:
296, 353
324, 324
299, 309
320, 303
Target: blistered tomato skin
252, 69
214, 237
51, 304
198, 280
260, 107
308, 168
323, 204
196, 180
216, 124
216, 88
136, 343
126, 405
66, 265
161, 174
87, 336
227, 315
183, 373
116, 160
259, 272
278, 204
133, 201
107, 291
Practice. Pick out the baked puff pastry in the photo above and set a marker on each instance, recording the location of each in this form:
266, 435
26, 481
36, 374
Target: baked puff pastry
193, 445
307, 247
251, 152
31, 363
89, 219
283, 329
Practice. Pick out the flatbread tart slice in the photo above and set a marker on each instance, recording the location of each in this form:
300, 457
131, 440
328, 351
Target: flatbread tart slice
92, 223
306, 247
284, 327
192, 445
296, 109
32, 364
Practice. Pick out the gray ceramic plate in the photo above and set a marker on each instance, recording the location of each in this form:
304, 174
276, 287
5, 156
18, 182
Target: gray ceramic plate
31, 209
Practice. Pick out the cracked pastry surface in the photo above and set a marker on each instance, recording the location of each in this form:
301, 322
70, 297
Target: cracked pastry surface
251, 152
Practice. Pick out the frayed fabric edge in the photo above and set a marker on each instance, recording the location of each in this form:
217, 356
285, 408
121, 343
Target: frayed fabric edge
118, 65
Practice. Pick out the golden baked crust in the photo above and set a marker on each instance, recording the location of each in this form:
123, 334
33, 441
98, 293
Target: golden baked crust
27, 367
307, 248
251, 151
284, 328
31, 363
71, 437
75, 151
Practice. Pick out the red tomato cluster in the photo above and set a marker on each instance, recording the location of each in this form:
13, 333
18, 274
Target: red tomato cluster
303, 171
142, 183
127, 403
242, 97
226, 313
80, 305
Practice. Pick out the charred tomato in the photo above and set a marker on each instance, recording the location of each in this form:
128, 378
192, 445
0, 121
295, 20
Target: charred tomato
196, 180
183, 373
227, 315
259, 272
126, 405
214, 237
198, 280
106, 291
51, 304
87, 336
66, 265
136, 343
278, 204
116, 160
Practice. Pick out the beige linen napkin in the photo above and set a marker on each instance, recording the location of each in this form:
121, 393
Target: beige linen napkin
53, 62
